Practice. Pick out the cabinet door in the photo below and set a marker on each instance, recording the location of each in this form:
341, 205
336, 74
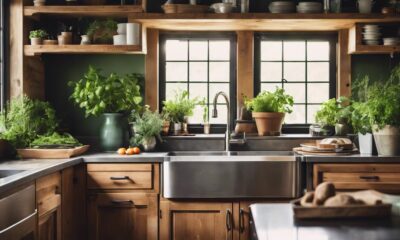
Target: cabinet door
122, 216
195, 221
49, 225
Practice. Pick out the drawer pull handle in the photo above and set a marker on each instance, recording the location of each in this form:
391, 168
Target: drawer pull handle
241, 220
120, 178
370, 178
122, 202
228, 220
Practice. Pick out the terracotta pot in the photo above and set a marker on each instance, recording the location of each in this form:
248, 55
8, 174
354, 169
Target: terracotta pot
245, 126
269, 123
36, 41
165, 128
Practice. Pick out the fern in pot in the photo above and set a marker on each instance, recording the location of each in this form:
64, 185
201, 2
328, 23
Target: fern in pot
147, 127
269, 109
113, 97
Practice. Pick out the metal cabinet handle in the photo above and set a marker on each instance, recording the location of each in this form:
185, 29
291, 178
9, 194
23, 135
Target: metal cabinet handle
228, 220
241, 220
120, 178
122, 202
371, 178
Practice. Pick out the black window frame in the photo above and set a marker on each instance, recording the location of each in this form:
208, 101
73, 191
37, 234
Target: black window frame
4, 7
331, 37
163, 37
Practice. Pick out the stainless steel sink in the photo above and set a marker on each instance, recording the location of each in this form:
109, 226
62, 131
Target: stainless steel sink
7, 173
211, 175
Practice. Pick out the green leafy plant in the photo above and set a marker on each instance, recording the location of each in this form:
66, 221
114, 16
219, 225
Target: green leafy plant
277, 101
360, 120
204, 106
334, 111
39, 33
149, 124
180, 107
98, 94
25, 119
55, 139
102, 31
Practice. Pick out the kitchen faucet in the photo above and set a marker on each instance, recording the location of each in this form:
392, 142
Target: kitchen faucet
228, 124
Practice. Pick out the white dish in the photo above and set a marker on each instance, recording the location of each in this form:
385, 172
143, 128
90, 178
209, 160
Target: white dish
119, 39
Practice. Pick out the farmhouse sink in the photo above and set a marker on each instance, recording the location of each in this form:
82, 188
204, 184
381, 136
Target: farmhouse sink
210, 175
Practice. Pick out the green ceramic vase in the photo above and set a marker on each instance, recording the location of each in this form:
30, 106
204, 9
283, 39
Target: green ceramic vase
114, 132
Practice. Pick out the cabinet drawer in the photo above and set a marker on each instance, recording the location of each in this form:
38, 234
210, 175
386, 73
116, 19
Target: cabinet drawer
381, 177
119, 180
119, 167
48, 193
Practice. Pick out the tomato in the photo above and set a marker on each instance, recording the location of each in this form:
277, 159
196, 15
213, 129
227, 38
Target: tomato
136, 150
121, 151
130, 151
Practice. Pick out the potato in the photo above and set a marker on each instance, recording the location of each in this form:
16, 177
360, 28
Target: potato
322, 192
307, 199
341, 200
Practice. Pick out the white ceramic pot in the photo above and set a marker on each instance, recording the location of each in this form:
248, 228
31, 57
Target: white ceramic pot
365, 142
177, 128
119, 39
39, 3
207, 127
132, 33
149, 144
387, 140
36, 41
85, 40
365, 6
121, 28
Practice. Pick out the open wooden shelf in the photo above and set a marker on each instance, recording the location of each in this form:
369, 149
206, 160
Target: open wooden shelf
30, 50
101, 11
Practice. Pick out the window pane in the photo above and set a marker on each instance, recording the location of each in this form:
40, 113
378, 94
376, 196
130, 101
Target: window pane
198, 90
271, 51
217, 87
311, 111
222, 115
197, 115
176, 72
172, 88
318, 72
198, 50
219, 71
294, 72
271, 72
297, 116
220, 50
176, 50
297, 90
198, 71
318, 51
318, 92
294, 51
270, 87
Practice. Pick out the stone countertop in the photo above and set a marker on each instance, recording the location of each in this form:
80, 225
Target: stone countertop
354, 158
115, 158
276, 221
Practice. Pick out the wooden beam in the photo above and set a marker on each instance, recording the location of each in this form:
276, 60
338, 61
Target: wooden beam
344, 65
245, 69
151, 70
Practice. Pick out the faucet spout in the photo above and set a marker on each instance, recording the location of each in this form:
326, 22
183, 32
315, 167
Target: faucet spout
215, 114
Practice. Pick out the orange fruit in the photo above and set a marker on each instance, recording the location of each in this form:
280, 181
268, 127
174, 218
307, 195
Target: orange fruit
121, 151
130, 151
136, 150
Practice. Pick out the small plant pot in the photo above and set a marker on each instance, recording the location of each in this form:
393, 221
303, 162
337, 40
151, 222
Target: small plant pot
177, 128
50, 42
67, 37
366, 143
387, 140
36, 41
39, 3
165, 128
342, 129
85, 40
269, 123
207, 127
149, 144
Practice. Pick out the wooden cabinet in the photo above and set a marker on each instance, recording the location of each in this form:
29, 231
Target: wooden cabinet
381, 177
122, 216
196, 221
48, 199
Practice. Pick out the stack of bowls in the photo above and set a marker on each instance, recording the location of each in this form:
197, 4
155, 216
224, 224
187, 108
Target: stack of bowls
282, 7
391, 41
310, 7
371, 34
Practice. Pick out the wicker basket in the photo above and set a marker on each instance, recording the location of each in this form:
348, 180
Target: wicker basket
184, 8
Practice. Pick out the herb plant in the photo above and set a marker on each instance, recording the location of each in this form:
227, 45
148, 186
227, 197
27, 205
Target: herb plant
277, 101
148, 125
98, 94
55, 139
360, 120
102, 31
38, 34
25, 119
180, 107
334, 111
204, 106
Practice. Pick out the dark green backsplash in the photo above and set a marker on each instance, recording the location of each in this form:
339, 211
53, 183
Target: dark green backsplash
62, 69
377, 67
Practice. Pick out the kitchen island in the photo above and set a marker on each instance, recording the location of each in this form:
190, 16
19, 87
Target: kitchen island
276, 222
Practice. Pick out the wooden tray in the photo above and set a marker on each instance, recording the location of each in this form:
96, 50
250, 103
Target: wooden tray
302, 151
52, 153
184, 8
356, 211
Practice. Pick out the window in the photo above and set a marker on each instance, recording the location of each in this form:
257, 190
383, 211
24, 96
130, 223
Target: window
201, 64
2, 54
304, 65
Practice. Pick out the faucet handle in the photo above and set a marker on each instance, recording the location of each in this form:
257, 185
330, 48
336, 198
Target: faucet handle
215, 113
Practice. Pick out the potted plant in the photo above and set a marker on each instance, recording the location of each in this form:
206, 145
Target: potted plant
179, 109
269, 109
207, 125
383, 101
166, 122
334, 116
37, 36
39, 3
360, 122
102, 31
113, 97
147, 127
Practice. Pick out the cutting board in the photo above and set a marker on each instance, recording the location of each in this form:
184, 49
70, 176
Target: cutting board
301, 151
52, 153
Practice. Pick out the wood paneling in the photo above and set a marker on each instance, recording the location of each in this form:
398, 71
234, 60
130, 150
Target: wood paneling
344, 65
77, 11
151, 70
245, 69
